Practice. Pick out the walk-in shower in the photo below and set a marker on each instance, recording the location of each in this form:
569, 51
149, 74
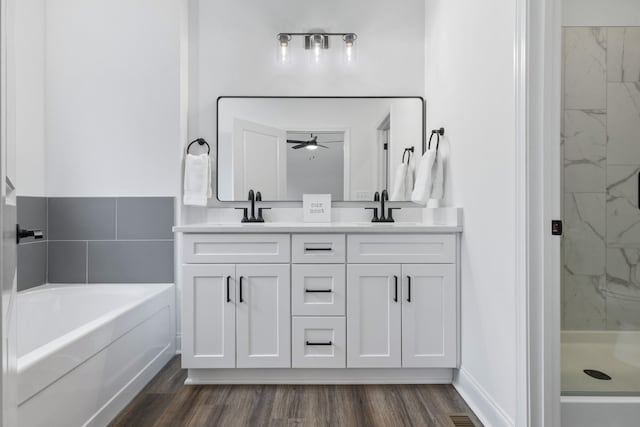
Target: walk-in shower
600, 349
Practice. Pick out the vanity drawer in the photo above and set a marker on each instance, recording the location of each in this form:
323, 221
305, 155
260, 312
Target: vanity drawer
318, 342
318, 248
318, 290
401, 248
236, 248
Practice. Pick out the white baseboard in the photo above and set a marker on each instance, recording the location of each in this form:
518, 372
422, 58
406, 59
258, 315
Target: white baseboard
118, 402
320, 376
480, 402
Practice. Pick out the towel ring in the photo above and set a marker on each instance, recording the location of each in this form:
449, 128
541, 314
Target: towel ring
439, 133
408, 150
200, 141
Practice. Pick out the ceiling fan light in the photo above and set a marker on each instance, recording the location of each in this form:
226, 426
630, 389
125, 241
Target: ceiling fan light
311, 147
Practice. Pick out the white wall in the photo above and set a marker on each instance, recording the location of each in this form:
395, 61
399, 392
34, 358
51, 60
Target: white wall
233, 51
470, 91
112, 97
29, 97
600, 13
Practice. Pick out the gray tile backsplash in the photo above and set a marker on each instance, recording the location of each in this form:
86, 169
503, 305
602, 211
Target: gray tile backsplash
82, 218
142, 218
32, 215
131, 261
97, 239
67, 262
32, 265
31, 253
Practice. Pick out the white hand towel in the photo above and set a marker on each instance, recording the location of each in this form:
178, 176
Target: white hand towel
438, 179
197, 180
399, 183
408, 181
424, 178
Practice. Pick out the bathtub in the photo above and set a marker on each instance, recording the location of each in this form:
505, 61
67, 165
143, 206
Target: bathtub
84, 351
588, 402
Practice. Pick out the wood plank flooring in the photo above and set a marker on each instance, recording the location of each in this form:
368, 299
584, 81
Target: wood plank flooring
166, 401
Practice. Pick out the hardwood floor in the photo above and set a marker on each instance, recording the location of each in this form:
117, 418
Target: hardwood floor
166, 401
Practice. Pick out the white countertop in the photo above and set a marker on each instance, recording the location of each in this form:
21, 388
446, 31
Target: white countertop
329, 227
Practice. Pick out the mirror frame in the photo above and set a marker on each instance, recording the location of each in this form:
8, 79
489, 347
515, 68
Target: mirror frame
298, 203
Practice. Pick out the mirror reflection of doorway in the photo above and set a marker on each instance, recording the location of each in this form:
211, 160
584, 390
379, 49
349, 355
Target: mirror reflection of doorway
383, 143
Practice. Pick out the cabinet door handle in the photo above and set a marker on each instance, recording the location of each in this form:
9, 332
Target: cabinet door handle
241, 299
319, 343
408, 288
395, 298
317, 249
228, 284
313, 291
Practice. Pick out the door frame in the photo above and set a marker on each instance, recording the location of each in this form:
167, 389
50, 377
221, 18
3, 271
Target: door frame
346, 156
538, 160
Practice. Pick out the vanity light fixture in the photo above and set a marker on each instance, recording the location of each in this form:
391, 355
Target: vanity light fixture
283, 48
316, 42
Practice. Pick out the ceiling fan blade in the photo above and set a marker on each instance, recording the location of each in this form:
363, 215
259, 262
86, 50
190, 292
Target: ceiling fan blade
295, 141
323, 146
304, 144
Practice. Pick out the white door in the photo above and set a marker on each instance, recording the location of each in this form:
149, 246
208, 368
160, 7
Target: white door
8, 278
373, 315
263, 316
209, 326
429, 316
259, 160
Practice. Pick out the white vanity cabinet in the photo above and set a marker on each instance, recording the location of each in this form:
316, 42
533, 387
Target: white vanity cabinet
239, 316
209, 316
402, 301
303, 303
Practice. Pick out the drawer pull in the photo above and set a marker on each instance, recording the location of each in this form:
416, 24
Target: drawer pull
317, 249
408, 288
314, 291
319, 343
241, 300
228, 296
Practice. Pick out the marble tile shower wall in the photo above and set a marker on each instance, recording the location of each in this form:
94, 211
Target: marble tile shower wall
601, 145
98, 240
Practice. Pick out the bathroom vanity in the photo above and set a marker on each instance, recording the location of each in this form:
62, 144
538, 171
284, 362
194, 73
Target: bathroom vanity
360, 299
275, 302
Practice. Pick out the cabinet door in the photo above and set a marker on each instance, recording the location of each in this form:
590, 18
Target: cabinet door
263, 316
208, 320
429, 316
373, 316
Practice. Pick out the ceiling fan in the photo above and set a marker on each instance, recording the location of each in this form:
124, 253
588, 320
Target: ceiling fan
311, 144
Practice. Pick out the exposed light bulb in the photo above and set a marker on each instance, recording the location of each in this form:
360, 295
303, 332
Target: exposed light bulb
283, 49
316, 51
349, 40
349, 53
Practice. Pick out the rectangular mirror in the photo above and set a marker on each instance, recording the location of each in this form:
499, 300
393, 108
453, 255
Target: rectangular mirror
285, 147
